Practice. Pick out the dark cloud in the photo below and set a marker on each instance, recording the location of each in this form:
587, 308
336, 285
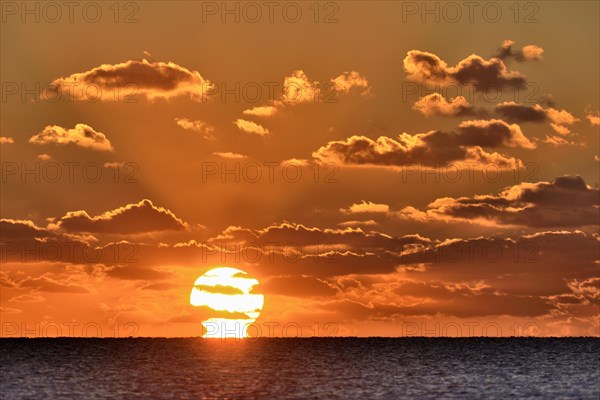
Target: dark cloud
21, 230
527, 53
220, 289
474, 70
142, 217
519, 277
431, 149
491, 133
530, 265
298, 236
566, 202
133, 79
379, 277
514, 112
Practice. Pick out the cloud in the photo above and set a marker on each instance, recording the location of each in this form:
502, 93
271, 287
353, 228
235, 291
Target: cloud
300, 162
567, 202
13, 229
514, 112
251, 127
558, 141
48, 284
560, 129
478, 277
160, 286
304, 236
436, 300
408, 150
296, 249
436, 104
561, 116
280, 249
538, 259
82, 135
151, 79
23, 241
230, 155
432, 149
6, 281
372, 276
6, 140
492, 133
141, 217
263, 111
113, 165
586, 288
10, 310
428, 68
527, 53
593, 117
366, 207
349, 80
197, 126
297, 88
220, 289
46, 277
532, 52
368, 222
27, 298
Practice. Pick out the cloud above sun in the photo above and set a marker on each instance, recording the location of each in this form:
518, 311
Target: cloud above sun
140, 217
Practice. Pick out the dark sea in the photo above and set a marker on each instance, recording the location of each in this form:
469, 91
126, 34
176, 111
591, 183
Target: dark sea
311, 368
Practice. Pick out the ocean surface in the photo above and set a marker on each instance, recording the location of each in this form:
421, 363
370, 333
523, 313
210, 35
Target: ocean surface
311, 368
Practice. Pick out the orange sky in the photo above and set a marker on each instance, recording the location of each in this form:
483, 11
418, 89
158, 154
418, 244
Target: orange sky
381, 170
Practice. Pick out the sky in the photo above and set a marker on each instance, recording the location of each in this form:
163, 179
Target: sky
377, 168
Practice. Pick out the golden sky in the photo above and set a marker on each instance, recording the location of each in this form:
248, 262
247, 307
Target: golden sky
380, 168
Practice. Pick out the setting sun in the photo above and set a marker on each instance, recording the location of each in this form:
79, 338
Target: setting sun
299, 199
224, 290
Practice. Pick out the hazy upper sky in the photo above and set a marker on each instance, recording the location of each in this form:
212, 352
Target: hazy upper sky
376, 166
